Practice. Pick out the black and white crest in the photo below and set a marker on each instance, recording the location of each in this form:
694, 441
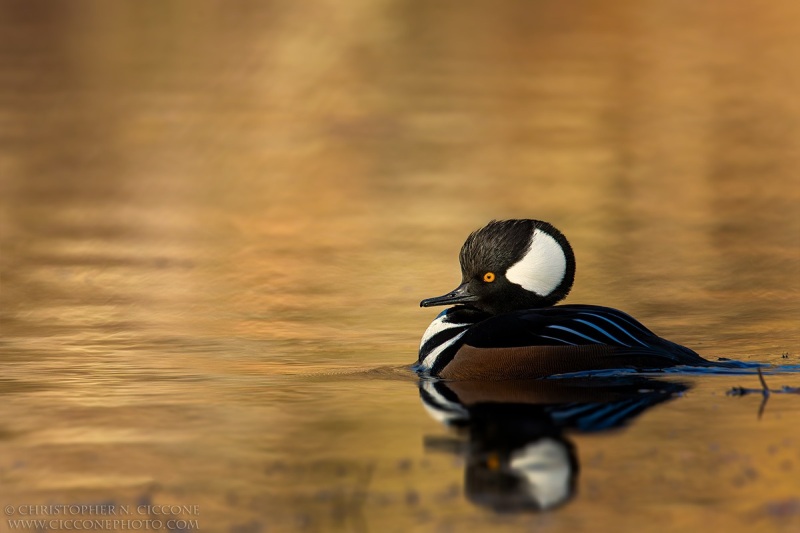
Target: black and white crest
531, 254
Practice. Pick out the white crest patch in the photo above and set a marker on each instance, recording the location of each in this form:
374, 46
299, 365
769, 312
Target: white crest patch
543, 266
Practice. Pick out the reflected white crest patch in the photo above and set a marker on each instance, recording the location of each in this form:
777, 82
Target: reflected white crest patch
543, 266
546, 467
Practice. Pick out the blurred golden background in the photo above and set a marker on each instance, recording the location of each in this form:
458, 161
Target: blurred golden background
207, 205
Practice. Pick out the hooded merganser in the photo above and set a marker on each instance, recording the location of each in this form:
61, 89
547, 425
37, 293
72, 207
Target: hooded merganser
505, 325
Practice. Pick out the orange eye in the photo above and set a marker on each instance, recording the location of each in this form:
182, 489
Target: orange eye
488, 277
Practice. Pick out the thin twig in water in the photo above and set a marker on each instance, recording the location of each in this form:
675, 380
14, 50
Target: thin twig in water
765, 391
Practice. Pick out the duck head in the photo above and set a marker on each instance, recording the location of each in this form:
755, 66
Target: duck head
510, 265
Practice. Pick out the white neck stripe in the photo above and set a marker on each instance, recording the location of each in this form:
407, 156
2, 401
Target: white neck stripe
428, 362
437, 326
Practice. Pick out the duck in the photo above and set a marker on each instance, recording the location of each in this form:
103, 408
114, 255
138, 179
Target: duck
503, 322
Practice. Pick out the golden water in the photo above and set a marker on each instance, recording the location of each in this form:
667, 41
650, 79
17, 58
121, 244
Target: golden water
218, 220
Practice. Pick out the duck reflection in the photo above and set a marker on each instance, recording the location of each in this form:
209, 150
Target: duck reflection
512, 434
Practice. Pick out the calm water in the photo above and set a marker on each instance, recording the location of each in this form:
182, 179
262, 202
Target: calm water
217, 223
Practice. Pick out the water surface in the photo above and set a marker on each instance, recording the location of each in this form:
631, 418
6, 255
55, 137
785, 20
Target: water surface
217, 223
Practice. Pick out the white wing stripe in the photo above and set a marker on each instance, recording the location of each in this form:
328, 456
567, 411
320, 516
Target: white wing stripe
557, 339
601, 330
575, 333
623, 330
